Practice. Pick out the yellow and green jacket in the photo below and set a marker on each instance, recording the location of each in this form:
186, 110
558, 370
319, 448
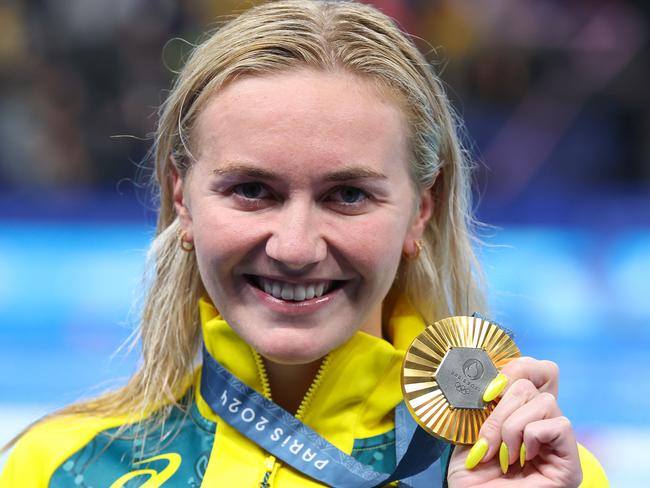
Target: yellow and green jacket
351, 404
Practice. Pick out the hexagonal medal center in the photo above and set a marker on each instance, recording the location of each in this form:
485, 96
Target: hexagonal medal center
463, 375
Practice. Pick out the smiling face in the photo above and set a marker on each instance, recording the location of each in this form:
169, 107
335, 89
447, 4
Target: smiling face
299, 205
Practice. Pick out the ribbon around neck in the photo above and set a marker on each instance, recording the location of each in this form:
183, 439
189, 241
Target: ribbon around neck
287, 438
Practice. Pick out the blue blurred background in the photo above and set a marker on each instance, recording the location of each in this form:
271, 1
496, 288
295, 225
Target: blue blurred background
555, 101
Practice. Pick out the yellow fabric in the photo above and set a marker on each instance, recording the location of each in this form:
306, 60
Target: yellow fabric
593, 474
45, 447
355, 399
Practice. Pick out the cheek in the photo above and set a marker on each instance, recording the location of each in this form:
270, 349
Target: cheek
220, 242
223, 238
375, 245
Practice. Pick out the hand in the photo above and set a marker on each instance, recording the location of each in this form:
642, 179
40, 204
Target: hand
527, 415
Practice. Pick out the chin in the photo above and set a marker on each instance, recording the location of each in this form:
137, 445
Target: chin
296, 350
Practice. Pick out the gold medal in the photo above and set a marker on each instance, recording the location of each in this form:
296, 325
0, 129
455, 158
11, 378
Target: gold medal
446, 370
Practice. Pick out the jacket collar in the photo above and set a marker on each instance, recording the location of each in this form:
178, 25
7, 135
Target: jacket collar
357, 390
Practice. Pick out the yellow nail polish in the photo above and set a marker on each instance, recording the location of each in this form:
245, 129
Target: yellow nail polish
476, 453
504, 457
496, 386
522, 455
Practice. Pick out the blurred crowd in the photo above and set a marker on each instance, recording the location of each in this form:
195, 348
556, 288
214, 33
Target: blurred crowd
553, 93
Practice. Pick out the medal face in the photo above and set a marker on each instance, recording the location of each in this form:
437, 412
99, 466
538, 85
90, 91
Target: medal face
463, 375
445, 371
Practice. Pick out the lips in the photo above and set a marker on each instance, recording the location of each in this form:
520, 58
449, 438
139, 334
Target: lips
296, 292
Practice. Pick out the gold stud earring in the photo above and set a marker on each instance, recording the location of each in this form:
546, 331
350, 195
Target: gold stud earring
186, 245
412, 256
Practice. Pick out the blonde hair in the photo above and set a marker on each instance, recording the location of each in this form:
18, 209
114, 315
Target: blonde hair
280, 36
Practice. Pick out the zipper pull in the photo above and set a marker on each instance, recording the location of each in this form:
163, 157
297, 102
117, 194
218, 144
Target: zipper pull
271, 468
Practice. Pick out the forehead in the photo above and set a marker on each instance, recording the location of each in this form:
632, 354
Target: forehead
303, 115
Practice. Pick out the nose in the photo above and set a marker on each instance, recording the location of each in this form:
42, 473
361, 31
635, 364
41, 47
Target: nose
296, 239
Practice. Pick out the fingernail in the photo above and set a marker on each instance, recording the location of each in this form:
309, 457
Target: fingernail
504, 457
496, 386
522, 455
476, 453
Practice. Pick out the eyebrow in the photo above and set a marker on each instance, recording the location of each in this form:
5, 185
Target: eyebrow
244, 169
355, 173
345, 174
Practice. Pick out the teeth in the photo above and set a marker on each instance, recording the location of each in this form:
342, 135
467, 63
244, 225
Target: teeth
276, 291
310, 292
288, 291
319, 289
299, 293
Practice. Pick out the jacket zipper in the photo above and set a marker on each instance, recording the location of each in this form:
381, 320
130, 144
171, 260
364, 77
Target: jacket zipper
271, 463
318, 379
269, 475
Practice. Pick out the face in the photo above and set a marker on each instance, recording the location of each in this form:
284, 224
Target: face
299, 206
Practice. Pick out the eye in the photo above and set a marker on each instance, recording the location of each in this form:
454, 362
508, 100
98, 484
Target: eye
349, 195
251, 191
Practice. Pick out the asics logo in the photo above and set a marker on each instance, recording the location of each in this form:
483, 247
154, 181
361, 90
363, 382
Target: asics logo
155, 478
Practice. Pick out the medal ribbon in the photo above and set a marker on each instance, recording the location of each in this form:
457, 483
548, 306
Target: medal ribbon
287, 438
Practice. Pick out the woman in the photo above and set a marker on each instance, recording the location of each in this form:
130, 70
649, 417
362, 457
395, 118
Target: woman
314, 216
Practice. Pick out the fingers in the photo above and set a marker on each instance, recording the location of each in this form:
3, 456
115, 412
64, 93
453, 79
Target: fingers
554, 438
503, 430
541, 373
550, 449
555, 433
542, 406
527, 421
519, 394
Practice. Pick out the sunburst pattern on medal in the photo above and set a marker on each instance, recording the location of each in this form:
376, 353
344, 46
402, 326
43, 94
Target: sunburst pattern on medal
422, 393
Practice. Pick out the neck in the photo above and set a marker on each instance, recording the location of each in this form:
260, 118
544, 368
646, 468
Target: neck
372, 324
290, 383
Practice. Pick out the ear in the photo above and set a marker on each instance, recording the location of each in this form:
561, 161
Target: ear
180, 202
419, 221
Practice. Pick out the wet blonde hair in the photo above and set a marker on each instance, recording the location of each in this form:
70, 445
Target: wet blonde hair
280, 36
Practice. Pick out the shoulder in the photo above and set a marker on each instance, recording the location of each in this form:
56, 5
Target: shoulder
96, 451
593, 474
47, 445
